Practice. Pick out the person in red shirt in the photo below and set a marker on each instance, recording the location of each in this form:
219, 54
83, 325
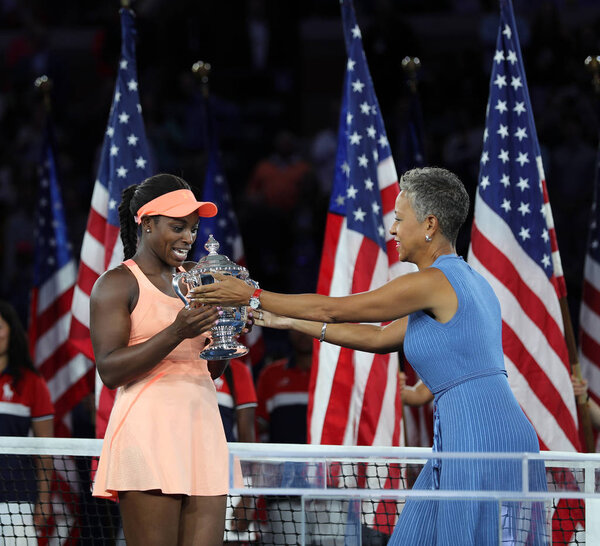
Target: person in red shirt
25, 405
282, 390
236, 397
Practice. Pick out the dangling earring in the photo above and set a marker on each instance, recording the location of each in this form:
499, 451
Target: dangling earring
428, 238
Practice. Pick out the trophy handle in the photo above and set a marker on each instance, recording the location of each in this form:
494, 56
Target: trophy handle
175, 283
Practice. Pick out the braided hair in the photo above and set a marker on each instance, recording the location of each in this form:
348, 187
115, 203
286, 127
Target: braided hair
137, 195
18, 349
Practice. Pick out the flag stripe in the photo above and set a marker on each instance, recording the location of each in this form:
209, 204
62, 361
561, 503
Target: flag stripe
371, 420
337, 416
60, 307
58, 283
526, 299
534, 343
496, 231
558, 415
590, 348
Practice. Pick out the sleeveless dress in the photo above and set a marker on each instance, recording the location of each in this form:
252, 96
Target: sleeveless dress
475, 410
165, 431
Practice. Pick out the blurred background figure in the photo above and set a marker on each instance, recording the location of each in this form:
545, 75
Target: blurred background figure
280, 209
282, 390
236, 397
25, 406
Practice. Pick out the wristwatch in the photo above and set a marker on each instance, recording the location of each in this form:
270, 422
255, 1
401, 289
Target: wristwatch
255, 299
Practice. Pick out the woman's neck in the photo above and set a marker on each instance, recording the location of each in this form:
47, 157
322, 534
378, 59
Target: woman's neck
434, 254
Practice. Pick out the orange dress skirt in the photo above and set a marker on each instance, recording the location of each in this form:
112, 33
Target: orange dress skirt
165, 431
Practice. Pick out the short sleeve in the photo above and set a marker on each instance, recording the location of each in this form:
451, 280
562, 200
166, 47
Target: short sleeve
41, 403
245, 393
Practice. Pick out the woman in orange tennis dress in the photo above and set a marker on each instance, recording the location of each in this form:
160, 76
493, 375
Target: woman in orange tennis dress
164, 454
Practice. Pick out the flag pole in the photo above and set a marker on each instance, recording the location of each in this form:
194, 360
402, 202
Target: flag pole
582, 405
44, 84
410, 67
592, 63
201, 71
584, 411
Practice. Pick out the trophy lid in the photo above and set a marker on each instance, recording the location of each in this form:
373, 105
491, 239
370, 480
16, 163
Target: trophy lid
214, 261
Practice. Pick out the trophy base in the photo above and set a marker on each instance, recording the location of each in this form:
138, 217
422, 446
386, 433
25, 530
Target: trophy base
223, 351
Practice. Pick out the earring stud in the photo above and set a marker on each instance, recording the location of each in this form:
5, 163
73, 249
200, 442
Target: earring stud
148, 230
428, 238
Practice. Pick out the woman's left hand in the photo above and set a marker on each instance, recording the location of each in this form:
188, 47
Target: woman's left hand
227, 291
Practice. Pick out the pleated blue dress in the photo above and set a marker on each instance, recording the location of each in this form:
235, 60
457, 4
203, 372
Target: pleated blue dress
475, 410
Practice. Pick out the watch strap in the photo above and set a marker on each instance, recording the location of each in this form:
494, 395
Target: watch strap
256, 294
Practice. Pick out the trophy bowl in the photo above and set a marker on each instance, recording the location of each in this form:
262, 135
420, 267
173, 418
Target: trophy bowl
224, 344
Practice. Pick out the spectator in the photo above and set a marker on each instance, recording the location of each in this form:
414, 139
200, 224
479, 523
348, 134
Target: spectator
282, 407
24, 405
283, 394
236, 397
279, 188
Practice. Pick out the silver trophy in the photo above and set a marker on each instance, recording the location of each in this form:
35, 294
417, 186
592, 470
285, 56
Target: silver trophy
231, 323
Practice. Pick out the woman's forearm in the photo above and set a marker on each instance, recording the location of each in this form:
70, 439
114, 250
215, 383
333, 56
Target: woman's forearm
361, 337
128, 363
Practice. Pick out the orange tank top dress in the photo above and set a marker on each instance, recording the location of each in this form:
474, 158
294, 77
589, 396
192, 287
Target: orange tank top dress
165, 431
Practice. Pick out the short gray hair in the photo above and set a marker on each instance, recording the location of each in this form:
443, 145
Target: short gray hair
439, 192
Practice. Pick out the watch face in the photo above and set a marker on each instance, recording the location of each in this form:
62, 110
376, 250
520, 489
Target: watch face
254, 303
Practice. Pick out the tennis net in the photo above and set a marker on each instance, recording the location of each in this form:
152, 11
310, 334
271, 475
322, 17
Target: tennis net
291, 494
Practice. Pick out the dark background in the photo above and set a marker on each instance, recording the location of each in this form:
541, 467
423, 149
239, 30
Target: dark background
278, 66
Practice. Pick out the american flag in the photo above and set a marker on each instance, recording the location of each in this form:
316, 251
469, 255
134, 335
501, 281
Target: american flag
224, 226
354, 396
589, 318
124, 160
513, 244
67, 372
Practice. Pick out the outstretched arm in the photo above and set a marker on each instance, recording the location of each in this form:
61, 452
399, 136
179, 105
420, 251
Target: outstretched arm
427, 290
361, 337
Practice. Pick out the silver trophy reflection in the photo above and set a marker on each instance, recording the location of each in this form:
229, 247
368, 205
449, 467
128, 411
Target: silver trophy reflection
231, 323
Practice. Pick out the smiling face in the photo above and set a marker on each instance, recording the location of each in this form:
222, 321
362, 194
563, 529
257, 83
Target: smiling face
408, 233
171, 239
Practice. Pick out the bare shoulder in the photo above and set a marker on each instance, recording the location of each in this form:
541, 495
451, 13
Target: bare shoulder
117, 282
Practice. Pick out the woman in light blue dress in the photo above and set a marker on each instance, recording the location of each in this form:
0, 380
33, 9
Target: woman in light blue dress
447, 319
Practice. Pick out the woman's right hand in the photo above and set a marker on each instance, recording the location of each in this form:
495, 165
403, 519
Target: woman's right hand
195, 321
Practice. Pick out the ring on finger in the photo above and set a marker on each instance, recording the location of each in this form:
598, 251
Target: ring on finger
260, 315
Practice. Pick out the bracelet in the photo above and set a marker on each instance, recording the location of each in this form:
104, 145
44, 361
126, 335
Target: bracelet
323, 330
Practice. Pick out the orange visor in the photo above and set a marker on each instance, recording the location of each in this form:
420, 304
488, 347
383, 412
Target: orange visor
176, 204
